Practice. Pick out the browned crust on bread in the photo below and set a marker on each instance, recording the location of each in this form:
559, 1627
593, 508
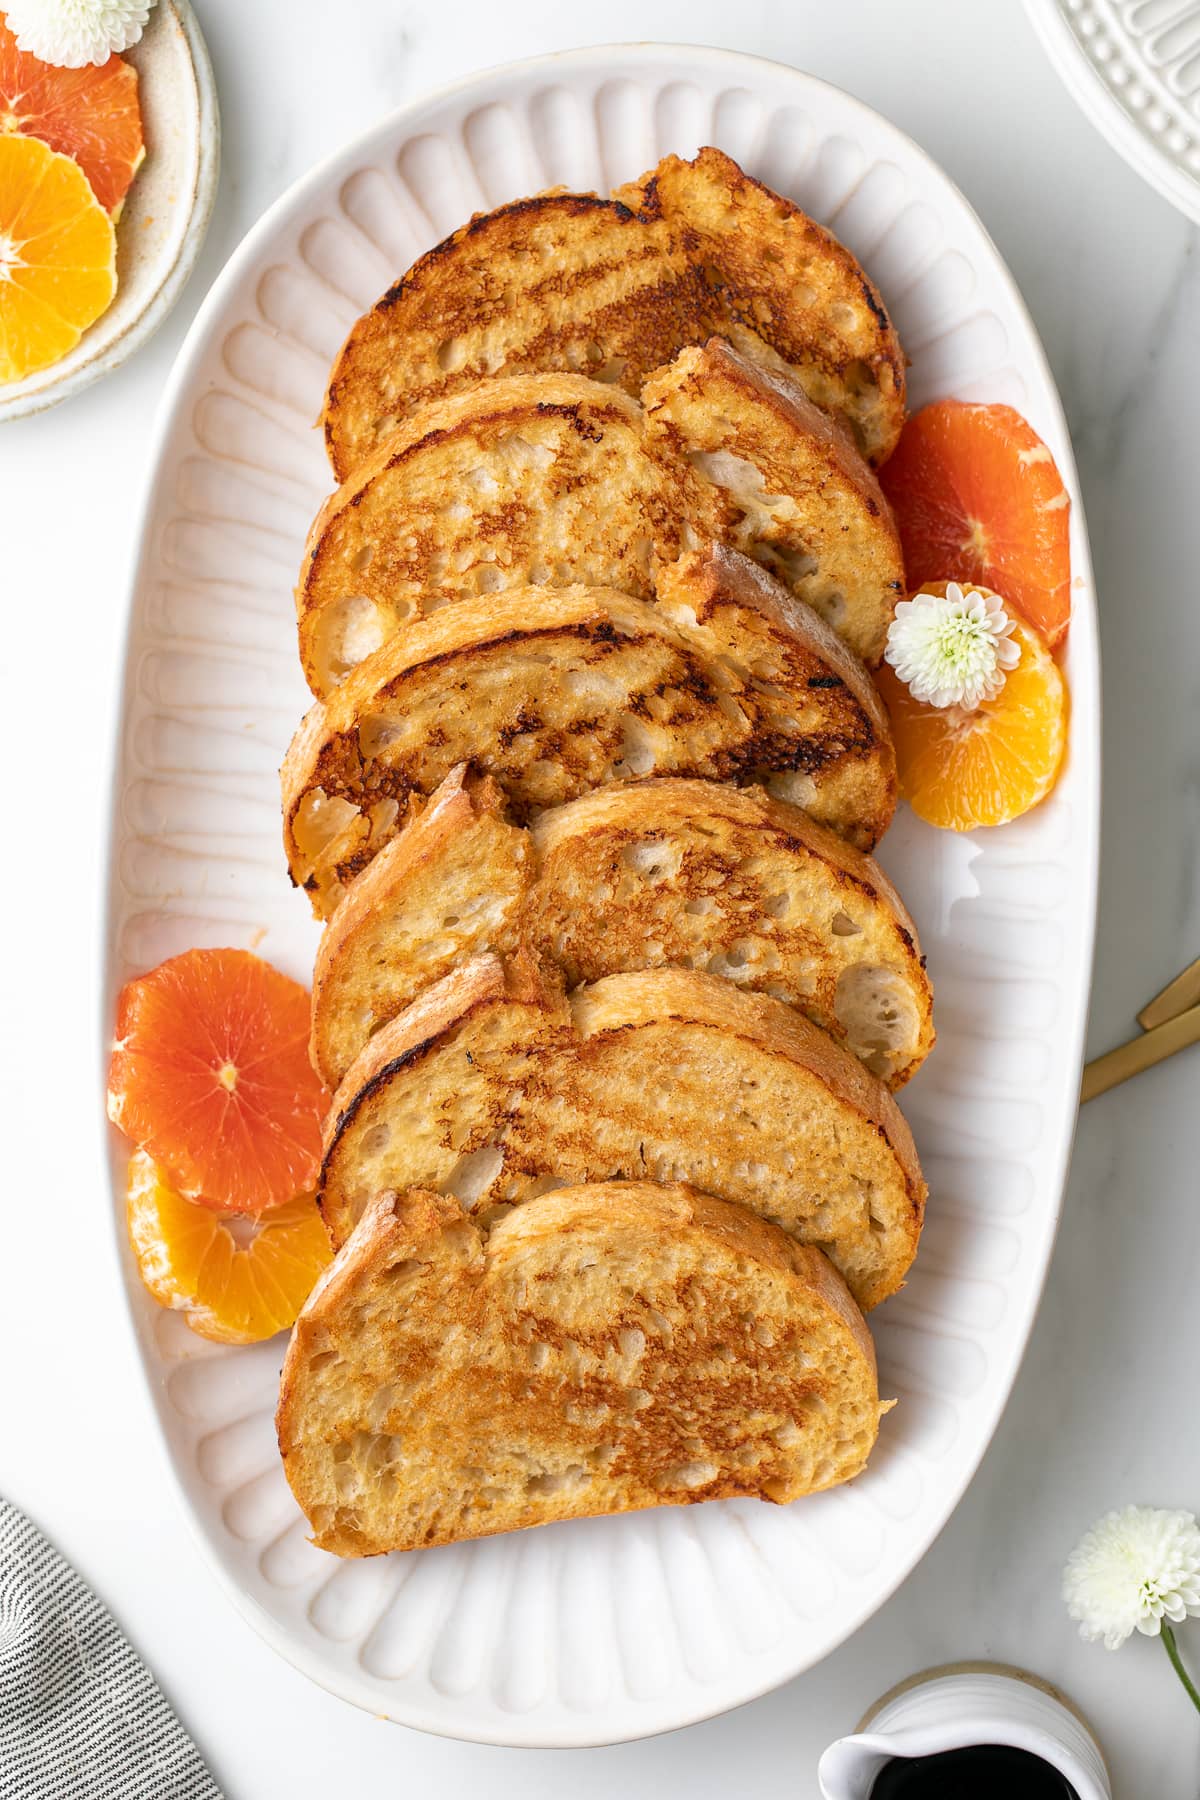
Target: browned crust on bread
843, 753
588, 407
422, 844
705, 581
752, 806
778, 1422
698, 247
622, 1002
827, 499
584, 403
552, 479
562, 889
776, 391
552, 1037
476, 984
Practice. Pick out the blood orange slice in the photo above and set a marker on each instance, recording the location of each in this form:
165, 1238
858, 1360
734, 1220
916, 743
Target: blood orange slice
977, 497
91, 114
210, 1075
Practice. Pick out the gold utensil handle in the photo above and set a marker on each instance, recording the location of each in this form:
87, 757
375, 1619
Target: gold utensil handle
1141, 1053
1179, 994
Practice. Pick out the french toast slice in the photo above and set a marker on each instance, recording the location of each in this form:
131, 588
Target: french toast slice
805, 504
493, 1085
597, 1350
617, 287
639, 875
556, 691
553, 479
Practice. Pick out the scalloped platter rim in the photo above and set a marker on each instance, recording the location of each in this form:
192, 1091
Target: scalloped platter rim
599, 1630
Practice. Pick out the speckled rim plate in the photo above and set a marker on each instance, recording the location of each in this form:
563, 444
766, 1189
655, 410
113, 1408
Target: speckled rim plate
1135, 72
604, 1630
166, 215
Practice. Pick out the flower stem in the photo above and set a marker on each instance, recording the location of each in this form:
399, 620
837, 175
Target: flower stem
1172, 1650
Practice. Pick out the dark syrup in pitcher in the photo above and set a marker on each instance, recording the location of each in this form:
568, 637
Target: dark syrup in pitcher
980, 1772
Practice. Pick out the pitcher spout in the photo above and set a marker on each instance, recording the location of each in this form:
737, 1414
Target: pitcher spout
848, 1769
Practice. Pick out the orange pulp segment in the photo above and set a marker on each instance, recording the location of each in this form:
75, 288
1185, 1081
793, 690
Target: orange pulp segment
58, 264
191, 1261
977, 497
210, 1075
91, 114
961, 769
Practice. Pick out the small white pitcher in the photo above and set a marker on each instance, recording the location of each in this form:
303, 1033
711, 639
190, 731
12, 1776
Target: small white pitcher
966, 1703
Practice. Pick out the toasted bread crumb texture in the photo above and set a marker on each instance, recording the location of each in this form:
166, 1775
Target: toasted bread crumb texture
538, 480
804, 503
556, 693
615, 288
636, 876
552, 479
598, 1350
493, 1087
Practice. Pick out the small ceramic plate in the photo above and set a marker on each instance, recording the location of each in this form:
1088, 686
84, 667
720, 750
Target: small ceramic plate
1134, 68
164, 220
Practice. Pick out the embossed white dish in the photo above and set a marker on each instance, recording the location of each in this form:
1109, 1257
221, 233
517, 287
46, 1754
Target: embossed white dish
609, 1629
1134, 68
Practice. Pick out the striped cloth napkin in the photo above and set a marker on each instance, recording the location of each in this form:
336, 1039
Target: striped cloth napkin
81, 1716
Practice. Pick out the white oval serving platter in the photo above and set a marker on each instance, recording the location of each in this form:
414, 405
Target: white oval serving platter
602, 1630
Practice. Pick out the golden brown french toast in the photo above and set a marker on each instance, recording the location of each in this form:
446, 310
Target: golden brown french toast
557, 691
596, 1350
615, 288
493, 1085
639, 875
554, 479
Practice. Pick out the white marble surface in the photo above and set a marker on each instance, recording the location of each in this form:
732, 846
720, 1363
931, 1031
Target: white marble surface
1103, 1411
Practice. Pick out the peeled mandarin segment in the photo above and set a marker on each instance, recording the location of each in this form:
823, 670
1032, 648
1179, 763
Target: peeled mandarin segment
210, 1075
23, 167
32, 335
964, 770
89, 114
58, 268
191, 1262
977, 497
77, 293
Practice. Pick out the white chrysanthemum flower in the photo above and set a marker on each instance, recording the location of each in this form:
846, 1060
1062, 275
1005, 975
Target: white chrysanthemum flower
1131, 1571
72, 33
952, 649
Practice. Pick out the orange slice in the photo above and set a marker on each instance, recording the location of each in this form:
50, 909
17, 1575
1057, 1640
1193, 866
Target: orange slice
58, 258
977, 497
963, 769
235, 1292
210, 1075
91, 114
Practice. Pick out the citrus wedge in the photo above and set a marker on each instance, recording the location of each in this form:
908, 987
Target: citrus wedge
235, 1289
977, 497
91, 114
962, 769
58, 258
210, 1075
